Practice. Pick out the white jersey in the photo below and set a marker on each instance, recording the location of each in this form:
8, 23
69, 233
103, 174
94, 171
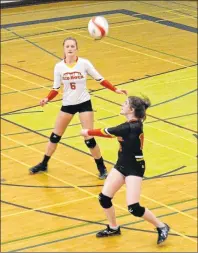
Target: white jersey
74, 80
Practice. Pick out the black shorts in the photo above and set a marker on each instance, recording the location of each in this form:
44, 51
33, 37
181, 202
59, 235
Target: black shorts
135, 169
83, 107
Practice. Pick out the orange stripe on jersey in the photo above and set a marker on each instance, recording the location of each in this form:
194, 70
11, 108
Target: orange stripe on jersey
98, 132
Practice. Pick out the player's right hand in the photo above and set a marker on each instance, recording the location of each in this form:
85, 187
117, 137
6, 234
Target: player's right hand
43, 101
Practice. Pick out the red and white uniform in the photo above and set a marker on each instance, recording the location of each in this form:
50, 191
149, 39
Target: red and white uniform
74, 80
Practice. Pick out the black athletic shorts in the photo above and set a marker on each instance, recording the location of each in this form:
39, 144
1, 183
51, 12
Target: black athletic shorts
83, 107
135, 169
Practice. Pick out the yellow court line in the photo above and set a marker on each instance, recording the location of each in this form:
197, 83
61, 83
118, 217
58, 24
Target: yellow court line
164, 146
38, 98
109, 17
38, 85
156, 143
169, 207
143, 23
57, 9
34, 149
126, 48
49, 206
182, 235
175, 81
22, 92
79, 33
170, 133
100, 107
65, 182
27, 81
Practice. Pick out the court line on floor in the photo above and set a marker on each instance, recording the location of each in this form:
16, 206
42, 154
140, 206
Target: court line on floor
187, 14
46, 207
89, 233
127, 49
151, 49
156, 143
87, 222
184, 4
40, 186
53, 31
53, 9
85, 29
49, 89
166, 101
103, 99
118, 11
88, 37
114, 102
58, 179
174, 117
47, 137
130, 81
54, 158
80, 189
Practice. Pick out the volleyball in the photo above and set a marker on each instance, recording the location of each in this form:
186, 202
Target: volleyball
98, 27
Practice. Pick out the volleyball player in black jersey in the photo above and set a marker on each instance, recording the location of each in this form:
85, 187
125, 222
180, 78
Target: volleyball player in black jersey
129, 168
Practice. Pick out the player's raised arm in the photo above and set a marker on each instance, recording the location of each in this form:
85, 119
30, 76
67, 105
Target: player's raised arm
105, 83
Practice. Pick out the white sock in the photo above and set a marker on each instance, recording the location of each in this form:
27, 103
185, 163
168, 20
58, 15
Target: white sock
114, 228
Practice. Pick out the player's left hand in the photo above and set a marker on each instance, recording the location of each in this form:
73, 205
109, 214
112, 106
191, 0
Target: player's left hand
121, 91
84, 132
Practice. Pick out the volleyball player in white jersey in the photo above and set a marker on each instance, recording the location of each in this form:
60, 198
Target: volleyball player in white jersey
72, 73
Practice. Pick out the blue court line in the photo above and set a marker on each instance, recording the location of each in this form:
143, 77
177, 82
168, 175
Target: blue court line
184, 4
49, 20
151, 49
175, 117
160, 21
34, 44
167, 101
53, 9
69, 29
167, 8
93, 232
119, 11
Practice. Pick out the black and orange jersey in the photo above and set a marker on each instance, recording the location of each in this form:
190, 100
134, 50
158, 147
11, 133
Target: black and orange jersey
130, 136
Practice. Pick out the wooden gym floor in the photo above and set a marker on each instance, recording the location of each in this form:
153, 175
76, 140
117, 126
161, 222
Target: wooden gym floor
150, 50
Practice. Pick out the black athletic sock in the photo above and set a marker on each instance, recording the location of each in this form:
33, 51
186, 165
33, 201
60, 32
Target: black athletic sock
45, 160
100, 165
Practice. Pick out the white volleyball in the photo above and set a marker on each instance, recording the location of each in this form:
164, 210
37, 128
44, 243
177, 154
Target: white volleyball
98, 27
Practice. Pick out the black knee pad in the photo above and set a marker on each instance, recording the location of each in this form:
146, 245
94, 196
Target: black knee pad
105, 201
136, 210
54, 138
91, 143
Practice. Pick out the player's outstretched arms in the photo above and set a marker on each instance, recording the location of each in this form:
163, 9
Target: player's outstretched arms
95, 132
110, 86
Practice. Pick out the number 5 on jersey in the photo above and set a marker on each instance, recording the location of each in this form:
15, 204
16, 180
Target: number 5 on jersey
73, 86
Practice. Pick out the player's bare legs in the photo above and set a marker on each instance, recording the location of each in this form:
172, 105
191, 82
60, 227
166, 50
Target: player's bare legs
133, 185
87, 121
61, 124
112, 184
